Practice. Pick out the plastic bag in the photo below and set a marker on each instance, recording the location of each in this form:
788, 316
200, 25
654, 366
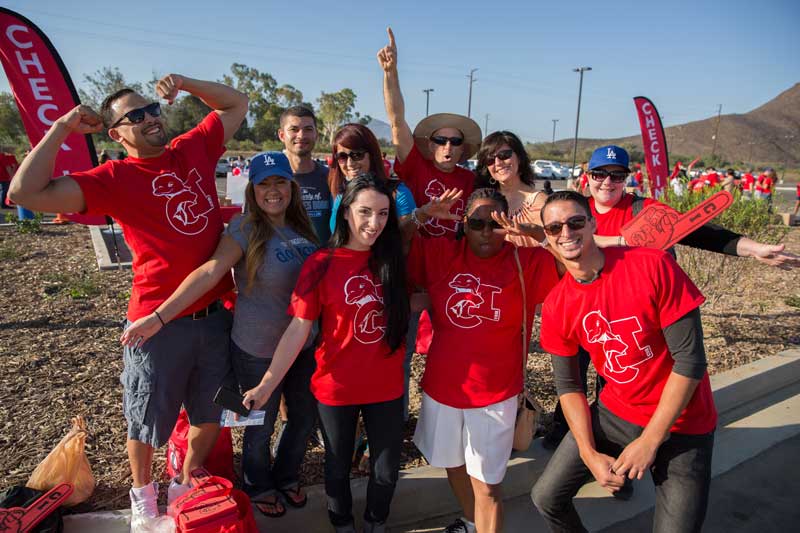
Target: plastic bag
67, 463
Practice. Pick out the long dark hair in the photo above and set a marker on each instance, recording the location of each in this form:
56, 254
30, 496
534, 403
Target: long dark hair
386, 260
261, 229
354, 137
489, 146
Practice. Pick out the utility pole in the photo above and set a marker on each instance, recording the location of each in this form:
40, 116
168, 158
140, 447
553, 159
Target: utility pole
581, 70
486, 125
469, 102
427, 99
554, 131
716, 130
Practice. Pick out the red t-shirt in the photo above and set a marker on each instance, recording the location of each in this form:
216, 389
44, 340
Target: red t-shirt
610, 223
354, 365
712, 179
168, 209
7, 160
619, 319
475, 358
798, 190
747, 182
426, 181
766, 185
584, 181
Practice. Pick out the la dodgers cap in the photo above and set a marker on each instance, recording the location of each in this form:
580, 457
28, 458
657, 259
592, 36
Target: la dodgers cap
609, 155
268, 164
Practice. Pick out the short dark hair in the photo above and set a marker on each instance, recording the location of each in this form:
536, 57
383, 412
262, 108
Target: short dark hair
489, 147
298, 111
568, 196
105, 107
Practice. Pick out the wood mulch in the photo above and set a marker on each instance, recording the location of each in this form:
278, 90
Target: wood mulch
60, 321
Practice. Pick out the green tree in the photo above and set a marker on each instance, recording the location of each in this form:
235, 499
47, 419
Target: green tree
12, 132
334, 110
102, 83
186, 113
261, 88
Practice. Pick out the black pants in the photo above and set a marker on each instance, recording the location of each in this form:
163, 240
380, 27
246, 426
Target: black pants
681, 473
384, 426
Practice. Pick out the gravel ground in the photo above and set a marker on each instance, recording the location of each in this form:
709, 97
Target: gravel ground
60, 321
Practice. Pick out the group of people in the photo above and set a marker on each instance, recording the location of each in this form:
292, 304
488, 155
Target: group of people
332, 268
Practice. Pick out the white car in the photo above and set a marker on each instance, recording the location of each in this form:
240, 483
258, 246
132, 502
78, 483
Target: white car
223, 167
560, 171
542, 168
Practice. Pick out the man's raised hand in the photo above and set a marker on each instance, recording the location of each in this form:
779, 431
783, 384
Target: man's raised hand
82, 119
169, 86
387, 56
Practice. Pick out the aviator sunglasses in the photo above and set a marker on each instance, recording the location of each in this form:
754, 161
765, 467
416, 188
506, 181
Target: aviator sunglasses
441, 140
617, 176
478, 224
355, 155
573, 223
136, 116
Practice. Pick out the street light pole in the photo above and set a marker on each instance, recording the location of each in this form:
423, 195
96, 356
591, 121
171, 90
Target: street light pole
554, 131
716, 131
581, 70
427, 99
469, 102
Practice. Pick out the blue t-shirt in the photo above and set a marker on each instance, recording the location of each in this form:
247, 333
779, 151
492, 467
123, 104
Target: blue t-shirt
317, 199
403, 199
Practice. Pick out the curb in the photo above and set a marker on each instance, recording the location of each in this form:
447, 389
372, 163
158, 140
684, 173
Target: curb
424, 492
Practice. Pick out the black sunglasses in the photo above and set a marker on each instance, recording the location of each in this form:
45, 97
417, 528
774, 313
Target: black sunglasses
478, 224
355, 155
617, 176
442, 140
136, 116
573, 223
502, 155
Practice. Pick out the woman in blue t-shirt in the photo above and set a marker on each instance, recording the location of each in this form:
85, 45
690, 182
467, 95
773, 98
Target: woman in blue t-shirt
356, 151
266, 247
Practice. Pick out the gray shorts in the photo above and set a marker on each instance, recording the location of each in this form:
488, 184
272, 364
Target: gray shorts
184, 363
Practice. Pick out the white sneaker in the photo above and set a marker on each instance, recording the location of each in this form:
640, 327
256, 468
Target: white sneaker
460, 525
176, 490
144, 508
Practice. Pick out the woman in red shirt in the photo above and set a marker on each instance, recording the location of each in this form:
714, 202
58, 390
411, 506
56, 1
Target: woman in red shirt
357, 287
473, 373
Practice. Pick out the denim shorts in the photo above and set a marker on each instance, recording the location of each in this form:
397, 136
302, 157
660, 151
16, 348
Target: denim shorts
183, 364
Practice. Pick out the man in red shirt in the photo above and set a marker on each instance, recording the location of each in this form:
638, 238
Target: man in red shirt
164, 197
636, 313
747, 184
8, 166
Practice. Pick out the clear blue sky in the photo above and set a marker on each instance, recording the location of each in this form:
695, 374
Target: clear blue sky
687, 56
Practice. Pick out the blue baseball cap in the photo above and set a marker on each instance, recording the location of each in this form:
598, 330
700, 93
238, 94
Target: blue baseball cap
609, 155
268, 164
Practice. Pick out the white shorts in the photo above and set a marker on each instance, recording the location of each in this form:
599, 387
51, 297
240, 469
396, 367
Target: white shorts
481, 438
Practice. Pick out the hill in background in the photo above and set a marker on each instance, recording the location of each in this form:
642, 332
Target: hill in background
767, 134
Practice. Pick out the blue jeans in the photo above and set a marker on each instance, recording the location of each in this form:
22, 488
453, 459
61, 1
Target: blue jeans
681, 473
259, 476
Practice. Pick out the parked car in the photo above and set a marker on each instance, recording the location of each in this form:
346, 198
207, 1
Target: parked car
543, 169
223, 167
560, 171
577, 171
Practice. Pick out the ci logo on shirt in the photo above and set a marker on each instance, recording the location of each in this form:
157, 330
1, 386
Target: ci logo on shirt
434, 226
187, 204
471, 302
620, 346
368, 326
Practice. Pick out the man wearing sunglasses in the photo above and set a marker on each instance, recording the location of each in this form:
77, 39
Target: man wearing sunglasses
164, 197
637, 314
427, 160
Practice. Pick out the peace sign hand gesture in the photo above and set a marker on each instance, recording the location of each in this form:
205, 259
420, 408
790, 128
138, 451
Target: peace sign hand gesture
387, 56
439, 207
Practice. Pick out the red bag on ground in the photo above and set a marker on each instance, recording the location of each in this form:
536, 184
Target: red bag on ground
211, 506
219, 461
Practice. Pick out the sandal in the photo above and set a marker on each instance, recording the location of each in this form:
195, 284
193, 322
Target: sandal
270, 506
294, 497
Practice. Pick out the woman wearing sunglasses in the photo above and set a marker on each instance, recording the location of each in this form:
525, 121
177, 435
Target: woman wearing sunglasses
356, 151
266, 248
357, 287
504, 164
612, 207
482, 288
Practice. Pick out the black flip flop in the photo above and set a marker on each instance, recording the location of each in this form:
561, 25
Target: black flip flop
291, 493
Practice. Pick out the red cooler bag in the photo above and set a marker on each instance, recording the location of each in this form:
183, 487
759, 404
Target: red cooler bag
219, 461
212, 506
